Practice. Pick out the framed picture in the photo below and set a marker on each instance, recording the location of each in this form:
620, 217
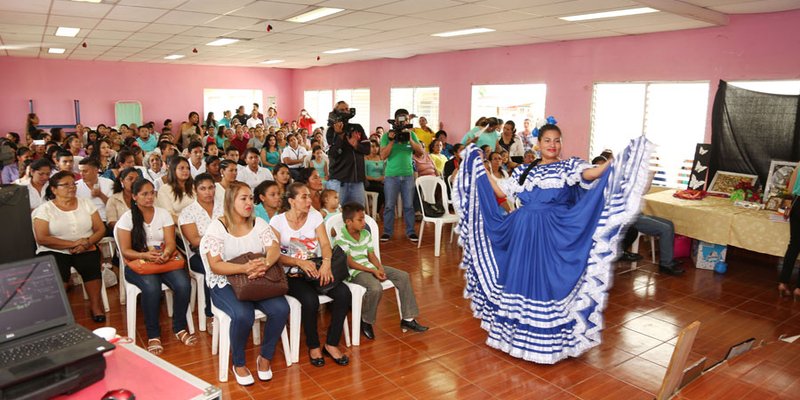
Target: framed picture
774, 203
778, 178
725, 182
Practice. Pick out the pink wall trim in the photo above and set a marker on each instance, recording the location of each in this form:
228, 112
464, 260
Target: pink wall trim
165, 91
758, 46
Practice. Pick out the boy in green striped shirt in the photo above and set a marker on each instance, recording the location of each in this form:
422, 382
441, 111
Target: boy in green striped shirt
366, 270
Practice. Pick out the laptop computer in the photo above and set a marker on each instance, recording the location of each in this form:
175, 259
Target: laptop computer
38, 334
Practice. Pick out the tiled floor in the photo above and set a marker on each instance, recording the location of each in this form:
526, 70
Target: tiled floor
645, 313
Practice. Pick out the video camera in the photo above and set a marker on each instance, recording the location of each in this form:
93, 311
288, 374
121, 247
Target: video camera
401, 126
340, 116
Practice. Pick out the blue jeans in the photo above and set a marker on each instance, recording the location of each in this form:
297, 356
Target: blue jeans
349, 191
196, 265
664, 230
392, 187
150, 285
242, 315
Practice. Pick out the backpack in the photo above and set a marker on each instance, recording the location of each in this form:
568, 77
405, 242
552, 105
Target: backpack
8, 153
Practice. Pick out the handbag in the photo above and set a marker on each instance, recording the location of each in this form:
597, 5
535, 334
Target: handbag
272, 284
338, 269
143, 267
433, 210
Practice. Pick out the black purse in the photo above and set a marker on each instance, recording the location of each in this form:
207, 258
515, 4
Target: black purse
434, 210
338, 269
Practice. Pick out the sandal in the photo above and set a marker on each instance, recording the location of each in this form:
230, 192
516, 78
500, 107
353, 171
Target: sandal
186, 338
154, 346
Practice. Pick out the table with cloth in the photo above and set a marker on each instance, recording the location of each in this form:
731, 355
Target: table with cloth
717, 220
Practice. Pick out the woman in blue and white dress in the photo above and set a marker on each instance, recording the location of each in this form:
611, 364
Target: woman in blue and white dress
538, 277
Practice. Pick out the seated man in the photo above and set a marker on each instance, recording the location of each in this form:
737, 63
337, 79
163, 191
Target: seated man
653, 226
366, 270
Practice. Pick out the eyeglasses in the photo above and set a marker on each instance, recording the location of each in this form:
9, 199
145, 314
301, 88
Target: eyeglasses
67, 185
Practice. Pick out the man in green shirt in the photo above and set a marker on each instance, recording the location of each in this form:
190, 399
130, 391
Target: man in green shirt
399, 180
484, 133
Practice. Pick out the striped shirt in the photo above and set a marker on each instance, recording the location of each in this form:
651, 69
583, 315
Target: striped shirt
357, 249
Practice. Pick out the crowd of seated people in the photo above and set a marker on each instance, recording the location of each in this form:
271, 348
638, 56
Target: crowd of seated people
247, 182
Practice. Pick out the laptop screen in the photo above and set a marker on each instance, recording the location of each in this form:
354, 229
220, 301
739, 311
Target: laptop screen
32, 298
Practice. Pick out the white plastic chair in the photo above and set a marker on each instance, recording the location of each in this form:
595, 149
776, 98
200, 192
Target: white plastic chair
132, 291
336, 223
103, 294
294, 325
652, 239
199, 284
426, 189
372, 204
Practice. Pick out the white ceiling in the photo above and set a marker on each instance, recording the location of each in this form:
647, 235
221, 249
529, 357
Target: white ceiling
149, 30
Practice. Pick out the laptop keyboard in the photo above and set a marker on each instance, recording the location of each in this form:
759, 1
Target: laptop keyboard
43, 346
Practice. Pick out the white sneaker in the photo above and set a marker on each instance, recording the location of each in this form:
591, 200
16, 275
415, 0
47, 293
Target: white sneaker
243, 380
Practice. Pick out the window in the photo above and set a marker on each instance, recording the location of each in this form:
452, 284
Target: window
358, 99
220, 100
319, 104
509, 102
422, 101
671, 115
773, 87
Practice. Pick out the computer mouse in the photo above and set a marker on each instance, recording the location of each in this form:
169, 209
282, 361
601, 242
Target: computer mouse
119, 394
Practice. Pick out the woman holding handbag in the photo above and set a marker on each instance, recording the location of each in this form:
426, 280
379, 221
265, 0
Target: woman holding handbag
301, 232
235, 234
147, 241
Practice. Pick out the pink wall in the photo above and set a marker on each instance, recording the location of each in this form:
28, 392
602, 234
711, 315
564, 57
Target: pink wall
758, 46
165, 91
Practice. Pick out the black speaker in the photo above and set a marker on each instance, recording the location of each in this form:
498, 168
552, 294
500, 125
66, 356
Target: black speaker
16, 230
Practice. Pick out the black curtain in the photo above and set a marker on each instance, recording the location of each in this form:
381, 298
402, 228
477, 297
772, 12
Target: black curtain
750, 129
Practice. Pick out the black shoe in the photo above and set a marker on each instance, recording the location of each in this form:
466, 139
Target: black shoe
412, 325
366, 329
344, 360
317, 362
99, 318
673, 268
385, 237
413, 237
630, 257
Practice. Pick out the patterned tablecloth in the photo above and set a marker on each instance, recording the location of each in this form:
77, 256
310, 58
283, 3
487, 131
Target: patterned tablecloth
717, 220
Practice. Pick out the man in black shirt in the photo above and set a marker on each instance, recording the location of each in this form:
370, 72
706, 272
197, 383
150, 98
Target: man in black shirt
348, 146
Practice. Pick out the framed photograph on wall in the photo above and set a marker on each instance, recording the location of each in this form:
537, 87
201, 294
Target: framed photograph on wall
724, 182
778, 178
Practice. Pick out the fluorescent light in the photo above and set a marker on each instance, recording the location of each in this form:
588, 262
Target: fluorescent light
610, 14
222, 42
315, 14
463, 32
56, 50
68, 32
88, 1
272, 62
174, 57
337, 51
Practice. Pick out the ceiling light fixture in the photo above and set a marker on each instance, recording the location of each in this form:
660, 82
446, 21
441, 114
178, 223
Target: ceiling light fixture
463, 32
88, 1
56, 50
174, 57
222, 42
338, 51
67, 32
610, 14
272, 61
315, 14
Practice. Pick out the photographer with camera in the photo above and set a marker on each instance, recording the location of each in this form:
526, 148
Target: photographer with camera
348, 144
397, 145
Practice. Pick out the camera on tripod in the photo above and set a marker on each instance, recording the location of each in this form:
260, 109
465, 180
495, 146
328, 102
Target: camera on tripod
401, 125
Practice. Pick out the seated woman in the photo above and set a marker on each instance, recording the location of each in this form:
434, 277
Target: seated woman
11, 172
194, 220
120, 201
146, 235
40, 175
238, 232
423, 164
178, 192
154, 170
212, 167
68, 228
229, 170
101, 150
270, 155
282, 177
268, 200
437, 157
125, 159
301, 233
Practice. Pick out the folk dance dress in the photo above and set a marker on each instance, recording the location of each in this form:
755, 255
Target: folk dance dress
538, 277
